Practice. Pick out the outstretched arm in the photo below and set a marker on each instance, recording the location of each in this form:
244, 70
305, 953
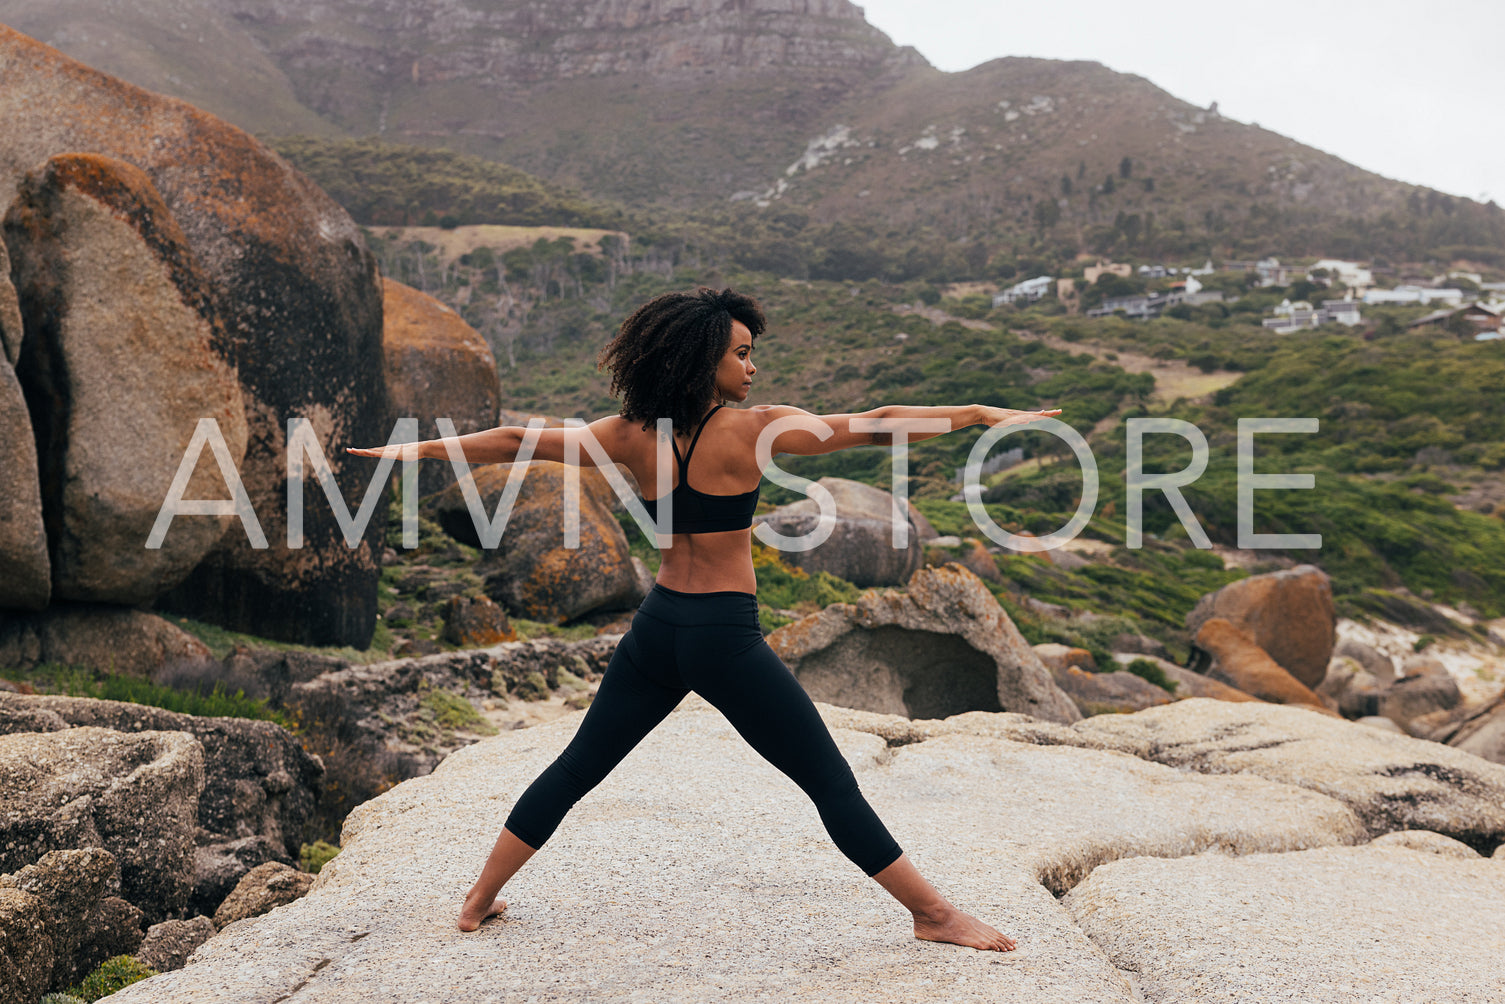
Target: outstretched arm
802, 439
501, 445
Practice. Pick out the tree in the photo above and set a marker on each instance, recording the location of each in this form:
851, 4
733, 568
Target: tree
1047, 214
1125, 167
1108, 185
1065, 184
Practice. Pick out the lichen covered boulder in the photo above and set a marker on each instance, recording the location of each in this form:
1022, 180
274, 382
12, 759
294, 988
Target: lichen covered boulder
125, 353
27, 582
940, 647
1289, 614
106, 638
1245, 666
860, 548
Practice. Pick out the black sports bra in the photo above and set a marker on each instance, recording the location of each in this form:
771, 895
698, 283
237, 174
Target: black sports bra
697, 512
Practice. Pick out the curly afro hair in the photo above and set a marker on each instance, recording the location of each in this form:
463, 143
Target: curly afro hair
663, 360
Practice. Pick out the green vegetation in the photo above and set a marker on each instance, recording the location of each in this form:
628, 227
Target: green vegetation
450, 712
313, 857
1151, 671
111, 975
76, 681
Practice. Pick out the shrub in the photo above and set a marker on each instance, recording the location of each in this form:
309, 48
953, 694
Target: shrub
1147, 670
451, 711
112, 974
1422, 642
312, 857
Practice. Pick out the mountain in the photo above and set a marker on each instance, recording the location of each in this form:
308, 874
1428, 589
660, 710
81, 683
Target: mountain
739, 107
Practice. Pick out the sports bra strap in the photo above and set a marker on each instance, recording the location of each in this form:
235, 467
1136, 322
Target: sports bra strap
685, 464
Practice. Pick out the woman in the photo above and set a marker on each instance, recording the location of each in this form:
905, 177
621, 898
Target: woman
685, 356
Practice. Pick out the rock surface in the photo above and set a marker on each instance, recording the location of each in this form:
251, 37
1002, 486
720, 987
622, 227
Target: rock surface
85, 923
1108, 693
27, 582
697, 872
301, 303
125, 354
437, 366
1242, 664
1289, 614
26, 954
135, 795
168, 945
1188, 684
939, 647
110, 639
530, 571
11, 328
263, 889
1341, 925
860, 548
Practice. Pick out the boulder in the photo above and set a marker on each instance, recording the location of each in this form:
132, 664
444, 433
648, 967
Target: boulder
258, 780
11, 328
26, 954
1289, 614
1353, 688
1482, 733
106, 638
134, 795
1141, 644
437, 366
939, 647
1108, 693
1327, 924
1422, 665
1242, 664
300, 300
1054, 656
1414, 696
974, 557
860, 548
1426, 840
262, 890
1376, 663
1188, 684
168, 945
219, 865
85, 923
741, 860
27, 581
530, 571
125, 354
476, 623
1390, 781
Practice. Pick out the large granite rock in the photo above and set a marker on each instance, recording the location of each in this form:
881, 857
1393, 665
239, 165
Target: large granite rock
260, 790
939, 647
27, 582
110, 639
11, 328
1243, 665
168, 945
299, 297
86, 923
263, 889
860, 548
1390, 781
125, 353
135, 795
1342, 925
740, 894
437, 366
1188, 683
530, 571
1289, 614
1108, 693
26, 953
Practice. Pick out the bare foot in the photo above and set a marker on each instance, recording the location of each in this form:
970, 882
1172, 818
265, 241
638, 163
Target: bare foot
472, 913
957, 928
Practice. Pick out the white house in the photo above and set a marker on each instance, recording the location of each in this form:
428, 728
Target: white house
1414, 294
1029, 290
1296, 316
1350, 273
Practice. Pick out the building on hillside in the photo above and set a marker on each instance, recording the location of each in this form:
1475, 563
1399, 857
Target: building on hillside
1029, 291
1153, 271
1091, 273
1206, 269
1349, 273
1482, 317
1300, 315
1414, 294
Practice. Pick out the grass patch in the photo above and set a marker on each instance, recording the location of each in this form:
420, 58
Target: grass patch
313, 857
1151, 671
78, 681
112, 974
451, 711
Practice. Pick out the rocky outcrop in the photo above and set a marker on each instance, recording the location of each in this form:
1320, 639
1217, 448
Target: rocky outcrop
263, 889
26, 953
940, 647
27, 582
1322, 922
105, 638
168, 945
530, 571
953, 801
1242, 664
860, 548
125, 353
476, 622
11, 328
296, 290
1188, 684
437, 366
135, 795
1108, 693
1390, 781
1289, 614
85, 923
260, 786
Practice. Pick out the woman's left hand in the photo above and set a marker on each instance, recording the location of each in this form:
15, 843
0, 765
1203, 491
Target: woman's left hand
396, 451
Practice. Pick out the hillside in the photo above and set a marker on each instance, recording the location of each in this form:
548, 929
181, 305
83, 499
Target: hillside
789, 121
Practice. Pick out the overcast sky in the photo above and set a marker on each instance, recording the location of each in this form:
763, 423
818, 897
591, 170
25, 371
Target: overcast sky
1409, 92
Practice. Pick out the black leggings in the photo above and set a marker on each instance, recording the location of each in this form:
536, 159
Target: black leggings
709, 643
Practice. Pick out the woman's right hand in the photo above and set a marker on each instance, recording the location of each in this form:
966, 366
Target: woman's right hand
1010, 416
